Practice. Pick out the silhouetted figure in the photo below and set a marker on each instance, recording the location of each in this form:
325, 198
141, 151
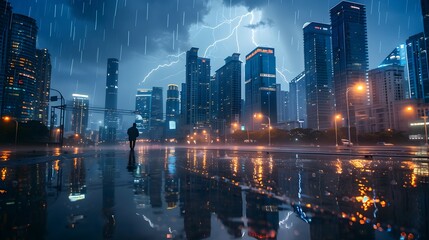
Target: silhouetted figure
131, 161
133, 133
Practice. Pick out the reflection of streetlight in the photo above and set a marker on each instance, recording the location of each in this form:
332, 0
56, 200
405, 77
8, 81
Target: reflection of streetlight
338, 116
7, 119
259, 115
357, 88
424, 121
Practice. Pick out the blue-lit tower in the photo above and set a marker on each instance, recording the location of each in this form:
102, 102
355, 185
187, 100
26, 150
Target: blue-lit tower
350, 56
111, 103
260, 84
197, 90
418, 71
228, 79
318, 72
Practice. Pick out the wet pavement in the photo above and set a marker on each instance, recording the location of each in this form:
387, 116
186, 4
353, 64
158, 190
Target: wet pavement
180, 193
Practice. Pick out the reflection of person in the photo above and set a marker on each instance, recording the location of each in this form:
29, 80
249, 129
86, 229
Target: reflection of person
131, 162
133, 133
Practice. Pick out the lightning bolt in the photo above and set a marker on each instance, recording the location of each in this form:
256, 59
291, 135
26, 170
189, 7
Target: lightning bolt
281, 74
253, 30
163, 66
230, 35
213, 28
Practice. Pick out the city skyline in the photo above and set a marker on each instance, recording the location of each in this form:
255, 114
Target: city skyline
263, 20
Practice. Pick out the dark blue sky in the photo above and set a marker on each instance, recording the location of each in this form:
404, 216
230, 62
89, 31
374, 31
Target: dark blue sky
150, 36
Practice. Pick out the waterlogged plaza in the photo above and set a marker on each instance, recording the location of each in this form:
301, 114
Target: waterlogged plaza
191, 193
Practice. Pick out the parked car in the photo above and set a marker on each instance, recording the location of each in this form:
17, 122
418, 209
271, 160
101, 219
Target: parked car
346, 142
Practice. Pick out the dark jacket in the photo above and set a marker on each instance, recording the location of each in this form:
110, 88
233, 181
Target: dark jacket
133, 133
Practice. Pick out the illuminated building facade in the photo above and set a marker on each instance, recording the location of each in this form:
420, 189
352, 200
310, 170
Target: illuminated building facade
318, 75
260, 84
425, 13
43, 77
228, 78
5, 18
157, 114
350, 56
80, 113
418, 70
172, 110
197, 92
111, 103
19, 93
144, 109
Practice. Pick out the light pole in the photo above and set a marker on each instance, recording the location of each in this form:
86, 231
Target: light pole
7, 119
62, 111
269, 125
359, 88
336, 131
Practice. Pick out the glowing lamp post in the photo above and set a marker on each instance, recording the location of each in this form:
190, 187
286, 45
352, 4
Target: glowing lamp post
7, 119
336, 131
358, 88
259, 115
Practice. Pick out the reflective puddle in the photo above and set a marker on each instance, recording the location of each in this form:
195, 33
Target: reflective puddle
168, 193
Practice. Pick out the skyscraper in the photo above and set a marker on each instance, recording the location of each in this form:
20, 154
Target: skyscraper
43, 83
157, 114
5, 19
425, 12
318, 72
144, 109
418, 71
295, 94
228, 78
172, 110
20, 87
282, 104
260, 84
79, 117
111, 103
350, 55
197, 92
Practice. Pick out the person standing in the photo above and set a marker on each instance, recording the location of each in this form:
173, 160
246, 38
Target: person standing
133, 133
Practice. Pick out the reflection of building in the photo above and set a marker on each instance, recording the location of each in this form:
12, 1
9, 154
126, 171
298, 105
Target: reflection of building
20, 85
79, 115
350, 56
260, 84
197, 90
43, 77
263, 216
171, 188
111, 103
108, 170
318, 75
23, 202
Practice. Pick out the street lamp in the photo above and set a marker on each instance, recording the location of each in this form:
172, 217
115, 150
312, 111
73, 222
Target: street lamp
62, 113
259, 115
358, 88
7, 119
338, 116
